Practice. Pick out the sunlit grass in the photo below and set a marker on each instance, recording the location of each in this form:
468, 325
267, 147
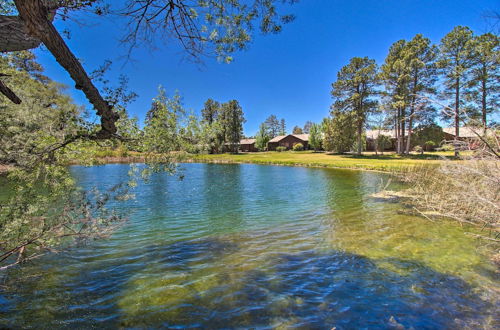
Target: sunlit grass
368, 161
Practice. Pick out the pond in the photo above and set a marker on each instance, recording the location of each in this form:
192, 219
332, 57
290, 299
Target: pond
252, 246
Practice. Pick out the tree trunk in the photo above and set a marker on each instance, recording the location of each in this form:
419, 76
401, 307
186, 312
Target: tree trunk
483, 98
398, 131
403, 126
412, 112
410, 129
9, 93
457, 123
360, 132
14, 35
35, 17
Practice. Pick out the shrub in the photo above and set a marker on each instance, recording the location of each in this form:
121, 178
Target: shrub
298, 147
280, 149
446, 147
107, 152
418, 149
383, 142
430, 145
425, 133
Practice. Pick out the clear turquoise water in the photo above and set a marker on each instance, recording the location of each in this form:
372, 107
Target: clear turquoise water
249, 246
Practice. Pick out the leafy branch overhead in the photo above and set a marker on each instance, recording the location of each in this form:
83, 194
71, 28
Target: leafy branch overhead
203, 27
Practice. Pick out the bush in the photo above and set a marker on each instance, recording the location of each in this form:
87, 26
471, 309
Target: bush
280, 149
446, 147
418, 149
430, 145
298, 147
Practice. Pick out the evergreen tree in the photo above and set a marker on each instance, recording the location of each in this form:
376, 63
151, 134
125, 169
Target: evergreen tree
354, 92
232, 122
262, 137
282, 127
455, 62
421, 59
307, 127
339, 131
210, 114
273, 126
210, 111
38, 138
297, 130
484, 86
395, 74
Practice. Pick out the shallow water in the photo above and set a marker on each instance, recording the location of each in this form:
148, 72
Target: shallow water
239, 246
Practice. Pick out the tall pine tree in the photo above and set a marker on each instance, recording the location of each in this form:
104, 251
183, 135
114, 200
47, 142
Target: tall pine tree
455, 62
354, 92
484, 85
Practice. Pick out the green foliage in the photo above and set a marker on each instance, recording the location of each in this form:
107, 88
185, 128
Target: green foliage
280, 149
262, 137
383, 142
429, 145
359, 144
282, 127
201, 27
297, 130
456, 54
455, 61
38, 137
164, 124
298, 147
210, 111
446, 147
30, 131
232, 119
339, 132
428, 133
307, 127
484, 82
221, 128
315, 138
354, 92
47, 211
273, 126
409, 74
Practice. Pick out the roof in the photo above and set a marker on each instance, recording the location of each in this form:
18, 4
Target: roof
303, 137
247, 141
278, 138
374, 133
466, 132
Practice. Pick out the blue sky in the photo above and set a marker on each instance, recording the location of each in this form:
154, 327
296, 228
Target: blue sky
288, 74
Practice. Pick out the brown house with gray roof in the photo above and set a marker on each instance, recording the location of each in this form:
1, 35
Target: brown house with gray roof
248, 145
288, 141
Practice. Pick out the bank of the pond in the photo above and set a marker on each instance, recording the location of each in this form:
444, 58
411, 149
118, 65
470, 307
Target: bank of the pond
385, 163
388, 162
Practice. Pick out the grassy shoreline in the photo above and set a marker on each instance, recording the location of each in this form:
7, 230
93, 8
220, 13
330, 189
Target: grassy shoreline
388, 162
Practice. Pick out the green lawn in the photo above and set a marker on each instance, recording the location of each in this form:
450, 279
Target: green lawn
368, 161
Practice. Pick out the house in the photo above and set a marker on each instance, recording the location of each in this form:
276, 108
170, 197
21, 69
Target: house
288, 141
465, 133
468, 135
248, 145
372, 135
